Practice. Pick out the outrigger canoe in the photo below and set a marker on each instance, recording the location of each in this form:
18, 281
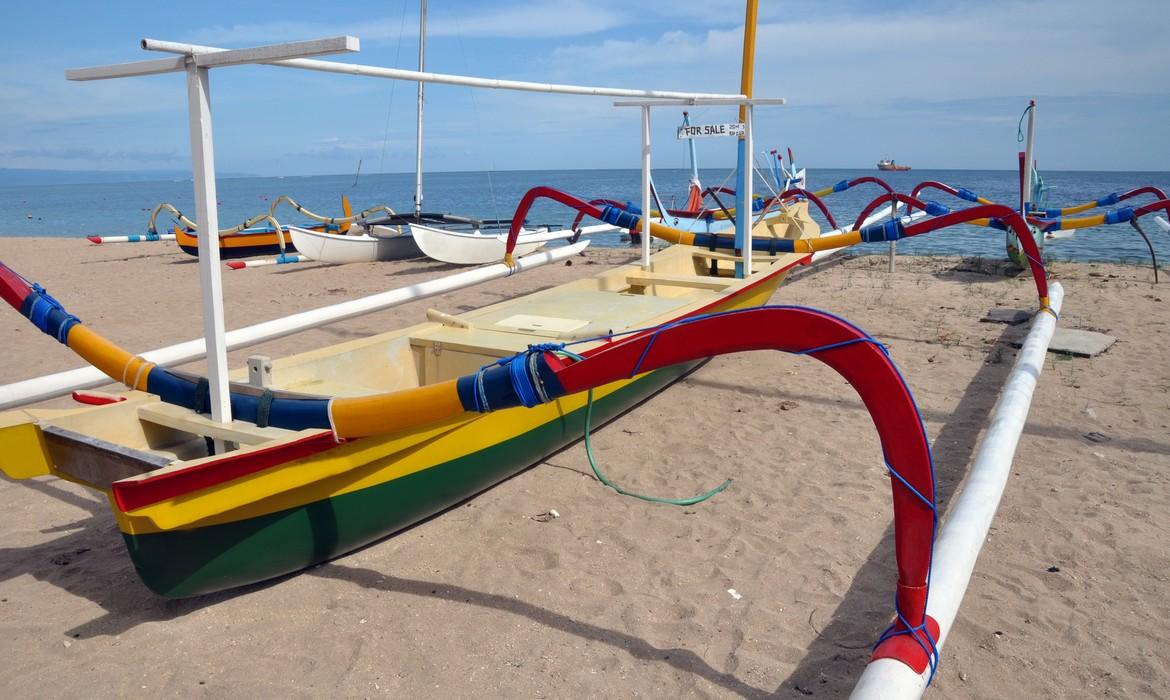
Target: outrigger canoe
348, 444
248, 243
386, 244
477, 247
353, 442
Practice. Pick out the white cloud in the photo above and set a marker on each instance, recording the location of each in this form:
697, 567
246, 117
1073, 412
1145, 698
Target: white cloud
1004, 48
528, 20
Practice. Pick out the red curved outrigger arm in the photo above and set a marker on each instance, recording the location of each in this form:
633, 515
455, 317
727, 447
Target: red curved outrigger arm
876, 180
928, 184
1009, 217
810, 196
866, 366
1148, 189
1160, 205
581, 214
909, 200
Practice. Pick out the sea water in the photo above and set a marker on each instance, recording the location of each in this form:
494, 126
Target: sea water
122, 208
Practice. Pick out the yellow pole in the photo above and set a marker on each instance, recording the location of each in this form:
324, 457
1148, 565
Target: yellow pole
749, 53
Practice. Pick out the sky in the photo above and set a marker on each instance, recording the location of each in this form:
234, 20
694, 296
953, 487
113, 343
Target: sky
931, 83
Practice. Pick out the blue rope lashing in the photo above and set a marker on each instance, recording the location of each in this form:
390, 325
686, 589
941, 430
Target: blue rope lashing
522, 381
1119, 216
852, 341
929, 504
885, 231
936, 209
523, 373
40, 313
481, 400
932, 655
964, 193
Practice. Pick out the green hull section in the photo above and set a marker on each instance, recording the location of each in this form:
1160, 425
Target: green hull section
209, 559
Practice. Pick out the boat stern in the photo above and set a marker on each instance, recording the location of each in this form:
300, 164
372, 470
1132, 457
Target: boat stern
24, 452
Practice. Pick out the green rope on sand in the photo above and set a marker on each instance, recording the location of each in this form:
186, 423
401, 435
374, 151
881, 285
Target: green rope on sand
601, 477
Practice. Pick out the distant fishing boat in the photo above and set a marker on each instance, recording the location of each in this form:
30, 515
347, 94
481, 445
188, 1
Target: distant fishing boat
890, 165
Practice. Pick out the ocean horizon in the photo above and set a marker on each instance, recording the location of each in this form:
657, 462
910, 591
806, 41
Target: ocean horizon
110, 208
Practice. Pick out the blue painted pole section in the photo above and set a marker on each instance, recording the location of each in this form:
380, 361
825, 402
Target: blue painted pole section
743, 212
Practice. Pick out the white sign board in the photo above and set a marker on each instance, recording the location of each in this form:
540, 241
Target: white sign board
699, 131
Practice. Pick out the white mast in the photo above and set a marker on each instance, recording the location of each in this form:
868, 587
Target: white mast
418, 139
1026, 183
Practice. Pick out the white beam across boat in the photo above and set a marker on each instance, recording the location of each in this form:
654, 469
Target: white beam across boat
234, 57
965, 530
278, 52
445, 78
128, 70
61, 383
703, 102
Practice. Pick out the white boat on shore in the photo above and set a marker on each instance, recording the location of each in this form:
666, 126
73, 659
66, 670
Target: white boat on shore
381, 243
476, 247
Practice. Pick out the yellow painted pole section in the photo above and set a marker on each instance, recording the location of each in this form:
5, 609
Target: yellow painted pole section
1078, 208
1084, 222
749, 57
113, 361
668, 234
389, 413
800, 245
347, 212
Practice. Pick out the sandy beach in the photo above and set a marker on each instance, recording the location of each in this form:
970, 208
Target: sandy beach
617, 597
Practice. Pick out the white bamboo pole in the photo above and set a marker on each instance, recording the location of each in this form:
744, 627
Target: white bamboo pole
207, 213
1162, 222
965, 530
281, 260
646, 187
52, 385
597, 228
1029, 149
418, 134
749, 181
400, 74
138, 238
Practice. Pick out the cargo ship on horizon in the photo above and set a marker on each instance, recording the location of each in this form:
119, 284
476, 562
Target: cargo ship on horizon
889, 164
